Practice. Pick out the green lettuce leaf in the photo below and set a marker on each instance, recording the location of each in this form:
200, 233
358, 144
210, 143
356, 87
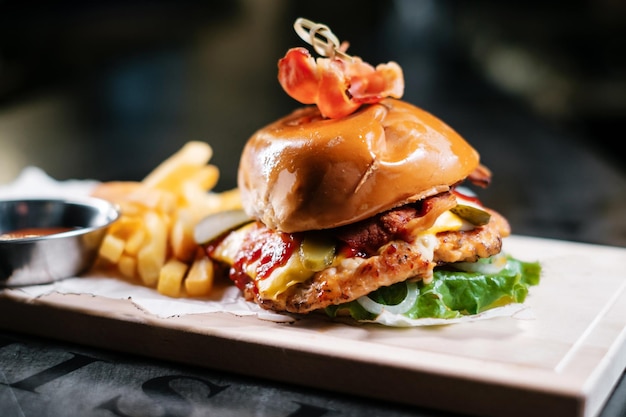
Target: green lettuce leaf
452, 294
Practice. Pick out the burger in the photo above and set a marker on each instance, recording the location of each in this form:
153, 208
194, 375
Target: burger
371, 215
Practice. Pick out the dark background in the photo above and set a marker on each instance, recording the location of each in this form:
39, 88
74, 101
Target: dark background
107, 90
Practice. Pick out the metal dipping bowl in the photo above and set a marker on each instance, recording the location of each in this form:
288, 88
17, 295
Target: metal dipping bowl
50, 257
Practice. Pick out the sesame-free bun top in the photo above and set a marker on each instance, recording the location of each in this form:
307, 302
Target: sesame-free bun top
305, 172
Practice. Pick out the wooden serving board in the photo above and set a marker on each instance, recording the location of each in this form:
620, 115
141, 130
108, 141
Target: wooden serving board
565, 360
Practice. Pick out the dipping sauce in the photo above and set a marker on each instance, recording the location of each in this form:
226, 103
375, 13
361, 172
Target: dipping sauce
33, 232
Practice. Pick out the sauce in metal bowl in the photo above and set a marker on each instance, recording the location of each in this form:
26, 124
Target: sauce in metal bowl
33, 232
46, 239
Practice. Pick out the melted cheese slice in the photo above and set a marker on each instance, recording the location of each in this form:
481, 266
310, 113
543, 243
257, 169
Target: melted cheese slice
446, 222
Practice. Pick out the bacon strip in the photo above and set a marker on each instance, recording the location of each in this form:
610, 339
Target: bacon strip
369, 235
338, 87
481, 176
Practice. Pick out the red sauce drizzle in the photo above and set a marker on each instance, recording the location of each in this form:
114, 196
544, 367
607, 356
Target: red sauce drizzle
270, 248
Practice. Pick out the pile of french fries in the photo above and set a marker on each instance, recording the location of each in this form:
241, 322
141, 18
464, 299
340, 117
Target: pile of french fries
152, 242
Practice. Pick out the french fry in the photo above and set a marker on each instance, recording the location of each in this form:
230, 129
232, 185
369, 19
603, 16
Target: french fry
175, 168
230, 199
125, 226
134, 241
194, 191
198, 200
127, 265
171, 277
200, 277
205, 177
160, 200
151, 257
203, 204
130, 210
181, 236
111, 248
153, 240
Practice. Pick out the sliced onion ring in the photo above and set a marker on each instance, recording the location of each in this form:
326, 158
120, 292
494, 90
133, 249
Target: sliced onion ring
405, 305
487, 266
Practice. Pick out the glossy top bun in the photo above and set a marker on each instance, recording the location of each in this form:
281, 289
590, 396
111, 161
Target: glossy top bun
304, 172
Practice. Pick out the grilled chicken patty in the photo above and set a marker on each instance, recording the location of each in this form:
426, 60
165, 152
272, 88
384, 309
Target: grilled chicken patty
396, 261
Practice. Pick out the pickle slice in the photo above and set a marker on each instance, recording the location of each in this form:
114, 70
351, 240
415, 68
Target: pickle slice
214, 225
316, 253
474, 215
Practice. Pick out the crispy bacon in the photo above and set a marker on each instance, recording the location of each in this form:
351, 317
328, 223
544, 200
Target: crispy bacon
337, 86
369, 235
481, 176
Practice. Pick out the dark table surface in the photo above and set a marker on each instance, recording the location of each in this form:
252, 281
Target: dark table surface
109, 90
